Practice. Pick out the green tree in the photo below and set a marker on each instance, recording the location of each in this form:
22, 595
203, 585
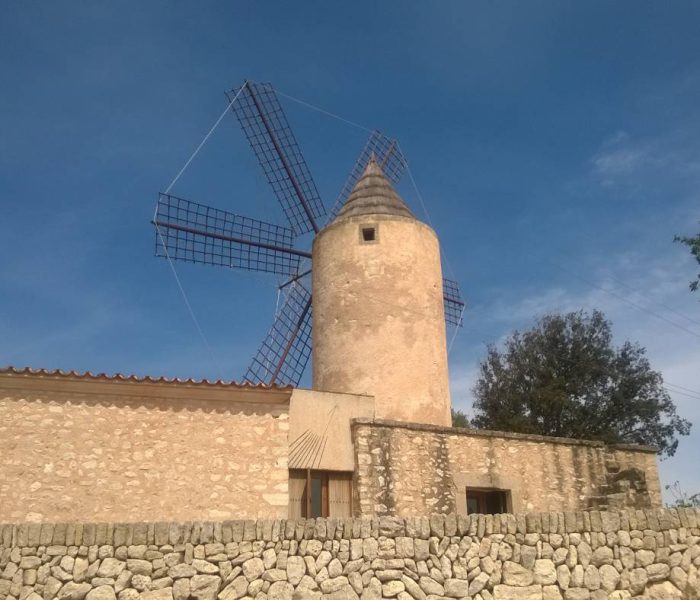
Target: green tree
564, 378
694, 244
459, 419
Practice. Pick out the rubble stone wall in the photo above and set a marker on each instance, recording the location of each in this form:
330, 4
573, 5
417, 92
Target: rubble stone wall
538, 556
125, 452
406, 469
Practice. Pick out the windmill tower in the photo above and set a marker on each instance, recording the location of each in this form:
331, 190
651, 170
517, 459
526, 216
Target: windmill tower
379, 320
193, 232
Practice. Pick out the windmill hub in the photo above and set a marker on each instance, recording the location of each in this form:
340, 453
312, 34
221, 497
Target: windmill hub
378, 317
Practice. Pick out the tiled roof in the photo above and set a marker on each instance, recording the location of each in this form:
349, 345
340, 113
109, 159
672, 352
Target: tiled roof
58, 373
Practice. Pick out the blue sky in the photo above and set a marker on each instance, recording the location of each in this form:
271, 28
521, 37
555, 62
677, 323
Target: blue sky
556, 145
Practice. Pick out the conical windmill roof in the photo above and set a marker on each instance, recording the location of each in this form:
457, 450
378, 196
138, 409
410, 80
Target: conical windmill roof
373, 194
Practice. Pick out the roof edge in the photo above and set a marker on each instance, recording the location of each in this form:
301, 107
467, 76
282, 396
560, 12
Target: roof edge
120, 377
527, 437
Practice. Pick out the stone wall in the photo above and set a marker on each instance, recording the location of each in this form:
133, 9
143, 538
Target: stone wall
539, 556
74, 448
410, 469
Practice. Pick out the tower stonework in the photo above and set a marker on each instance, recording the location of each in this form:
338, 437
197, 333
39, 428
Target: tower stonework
378, 314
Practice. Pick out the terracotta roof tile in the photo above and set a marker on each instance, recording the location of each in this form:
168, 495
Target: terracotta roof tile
59, 373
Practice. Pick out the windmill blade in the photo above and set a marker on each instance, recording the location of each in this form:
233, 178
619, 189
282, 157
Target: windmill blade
193, 232
265, 125
454, 305
282, 357
389, 156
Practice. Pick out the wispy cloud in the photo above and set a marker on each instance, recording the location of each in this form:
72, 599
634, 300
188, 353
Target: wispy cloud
625, 160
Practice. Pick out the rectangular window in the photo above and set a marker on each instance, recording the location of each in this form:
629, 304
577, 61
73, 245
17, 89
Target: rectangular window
319, 494
486, 501
368, 233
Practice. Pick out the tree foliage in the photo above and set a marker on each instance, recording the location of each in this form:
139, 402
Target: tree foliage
564, 378
694, 244
459, 419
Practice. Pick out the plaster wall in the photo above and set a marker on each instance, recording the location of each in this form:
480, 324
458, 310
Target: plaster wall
319, 429
412, 469
378, 317
120, 451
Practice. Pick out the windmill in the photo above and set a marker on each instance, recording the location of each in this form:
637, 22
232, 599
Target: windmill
193, 232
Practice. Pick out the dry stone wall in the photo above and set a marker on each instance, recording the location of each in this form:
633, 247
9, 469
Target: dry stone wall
539, 556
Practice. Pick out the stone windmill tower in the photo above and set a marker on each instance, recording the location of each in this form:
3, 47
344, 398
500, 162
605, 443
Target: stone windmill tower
368, 301
379, 319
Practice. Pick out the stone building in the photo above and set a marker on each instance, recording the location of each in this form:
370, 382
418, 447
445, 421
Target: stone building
372, 438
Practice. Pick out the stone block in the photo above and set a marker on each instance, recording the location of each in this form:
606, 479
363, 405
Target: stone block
33, 534
6, 535
21, 535
545, 572
509, 592
437, 525
309, 528
620, 595
658, 572
103, 592
533, 523
174, 533
551, 592
520, 523
663, 591
392, 527
577, 594
610, 521
333, 584
206, 533
391, 588
514, 574
276, 530
123, 534
204, 587
430, 586
110, 567
602, 556
462, 525
237, 528
165, 593
140, 533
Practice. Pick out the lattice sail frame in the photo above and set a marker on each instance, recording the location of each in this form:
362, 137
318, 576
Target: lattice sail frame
454, 305
192, 232
285, 351
265, 125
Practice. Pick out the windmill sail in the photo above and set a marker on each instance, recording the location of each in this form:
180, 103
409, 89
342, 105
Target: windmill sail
454, 305
265, 125
282, 357
193, 232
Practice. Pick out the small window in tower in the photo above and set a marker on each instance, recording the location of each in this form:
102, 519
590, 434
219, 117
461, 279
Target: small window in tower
368, 234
